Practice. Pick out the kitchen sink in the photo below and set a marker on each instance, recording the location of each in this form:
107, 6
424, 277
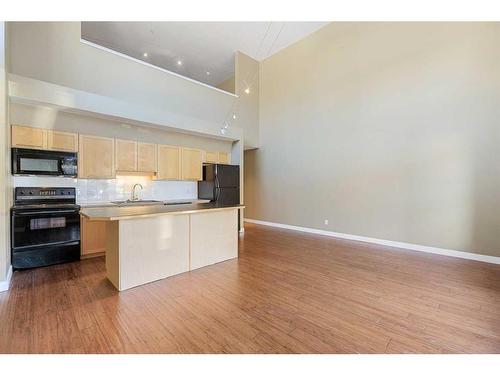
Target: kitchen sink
140, 202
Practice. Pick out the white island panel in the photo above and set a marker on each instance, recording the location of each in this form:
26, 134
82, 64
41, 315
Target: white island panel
151, 249
214, 237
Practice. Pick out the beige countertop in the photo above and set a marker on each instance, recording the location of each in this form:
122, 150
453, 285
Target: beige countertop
88, 204
112, 212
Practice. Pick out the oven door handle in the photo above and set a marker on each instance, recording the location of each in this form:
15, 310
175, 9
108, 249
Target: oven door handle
57, 243
45, 212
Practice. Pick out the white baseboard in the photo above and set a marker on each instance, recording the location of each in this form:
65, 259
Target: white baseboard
395, 244
4, 285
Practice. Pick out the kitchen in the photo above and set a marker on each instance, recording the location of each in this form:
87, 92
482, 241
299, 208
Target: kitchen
116, 177
249, 187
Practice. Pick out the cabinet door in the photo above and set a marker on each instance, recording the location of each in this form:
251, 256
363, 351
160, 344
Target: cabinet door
169, 162
192, 161
126, 155
96, 157
146, 157
93, 236
211, 157
62, 141
224, 158
28, 137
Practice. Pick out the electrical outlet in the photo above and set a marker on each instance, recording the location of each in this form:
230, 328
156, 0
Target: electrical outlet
326, 221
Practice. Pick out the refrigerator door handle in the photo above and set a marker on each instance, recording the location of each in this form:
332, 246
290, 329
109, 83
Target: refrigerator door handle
217, 189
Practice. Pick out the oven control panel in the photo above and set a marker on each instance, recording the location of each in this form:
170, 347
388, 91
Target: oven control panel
43, 193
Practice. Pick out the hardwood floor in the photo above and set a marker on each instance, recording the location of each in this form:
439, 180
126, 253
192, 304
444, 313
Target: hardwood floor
289, 292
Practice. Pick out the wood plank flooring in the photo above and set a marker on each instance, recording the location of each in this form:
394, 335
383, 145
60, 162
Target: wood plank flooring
289, 292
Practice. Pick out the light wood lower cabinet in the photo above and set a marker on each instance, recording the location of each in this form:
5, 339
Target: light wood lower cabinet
62, 141
169, 162
96, 157
146, 157
28, 137
93, 237
192, 161
125, 155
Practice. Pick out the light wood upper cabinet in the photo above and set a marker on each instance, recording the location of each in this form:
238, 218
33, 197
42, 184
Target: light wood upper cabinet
125, 155
62, 141
100, 157
224, 158
192, 160
217, 157
211, 157
169, 162
28, 137
96, 157
131, 156
146, 157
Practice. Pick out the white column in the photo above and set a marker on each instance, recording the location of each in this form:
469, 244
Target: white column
5, 184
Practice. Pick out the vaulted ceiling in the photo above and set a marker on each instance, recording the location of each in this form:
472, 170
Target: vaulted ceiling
203, 51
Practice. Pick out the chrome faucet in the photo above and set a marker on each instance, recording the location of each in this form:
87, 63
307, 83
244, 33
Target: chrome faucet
134, 195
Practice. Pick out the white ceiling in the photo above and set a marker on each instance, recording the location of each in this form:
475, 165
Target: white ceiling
201, 46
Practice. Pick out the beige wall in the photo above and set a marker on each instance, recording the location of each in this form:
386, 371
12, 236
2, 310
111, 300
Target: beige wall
50, 118
247, 105
227, 85
388, 130
53, 52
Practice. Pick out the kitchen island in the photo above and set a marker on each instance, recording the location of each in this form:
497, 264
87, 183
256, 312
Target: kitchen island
149, 243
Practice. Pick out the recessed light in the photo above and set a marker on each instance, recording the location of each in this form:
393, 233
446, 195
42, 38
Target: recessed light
179, 62
224, 129
208, 73
234, 116
247, 90
145, 54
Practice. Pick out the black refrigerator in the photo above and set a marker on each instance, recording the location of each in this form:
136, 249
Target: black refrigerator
221, 184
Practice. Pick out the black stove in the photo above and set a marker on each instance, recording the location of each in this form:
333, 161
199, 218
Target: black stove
45, 225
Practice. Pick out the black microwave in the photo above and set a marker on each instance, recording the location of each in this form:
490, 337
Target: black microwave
45, 163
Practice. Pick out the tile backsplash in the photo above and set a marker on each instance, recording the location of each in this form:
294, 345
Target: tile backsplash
100, 191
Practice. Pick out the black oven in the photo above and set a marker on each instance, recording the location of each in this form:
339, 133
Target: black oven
42, 162
45, 225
